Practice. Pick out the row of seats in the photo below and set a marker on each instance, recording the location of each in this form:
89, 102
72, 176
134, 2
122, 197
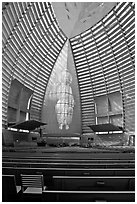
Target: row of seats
98, 183
71, 164
32, 185
62, 165
68, 188
68, 170
88, 196
59, 160
71, 180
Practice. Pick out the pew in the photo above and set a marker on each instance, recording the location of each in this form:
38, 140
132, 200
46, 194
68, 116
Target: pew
48, 173
88, 196
79, 178
127, 195
95, 183
9, 189
68, 160
32, 187
70, 164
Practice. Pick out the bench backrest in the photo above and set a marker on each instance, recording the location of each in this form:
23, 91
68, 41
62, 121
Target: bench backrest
9, 192
34, 181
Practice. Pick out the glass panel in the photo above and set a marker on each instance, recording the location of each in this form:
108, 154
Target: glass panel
115, 100
102, 104
59, 91
116, 120
102, 120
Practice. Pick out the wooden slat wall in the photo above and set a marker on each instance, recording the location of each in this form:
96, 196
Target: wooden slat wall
104, 56
104, 61
31, 43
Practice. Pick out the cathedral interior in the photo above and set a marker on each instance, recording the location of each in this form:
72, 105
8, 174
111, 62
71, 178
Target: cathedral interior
68, 101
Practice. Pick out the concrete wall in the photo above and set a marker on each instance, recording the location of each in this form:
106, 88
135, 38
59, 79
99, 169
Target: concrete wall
116, 139
10, 138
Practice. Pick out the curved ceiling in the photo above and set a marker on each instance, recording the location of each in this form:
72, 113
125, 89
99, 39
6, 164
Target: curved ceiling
32, 41
103, 51
104, 59
76, 17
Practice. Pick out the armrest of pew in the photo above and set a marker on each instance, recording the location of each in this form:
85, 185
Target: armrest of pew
18, 188
9, 190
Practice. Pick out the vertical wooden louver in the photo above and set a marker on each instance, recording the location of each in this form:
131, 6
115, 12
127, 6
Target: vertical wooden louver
104, 61
31, 43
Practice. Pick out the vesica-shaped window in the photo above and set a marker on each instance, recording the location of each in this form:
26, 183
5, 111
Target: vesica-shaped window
65, 103
59, 90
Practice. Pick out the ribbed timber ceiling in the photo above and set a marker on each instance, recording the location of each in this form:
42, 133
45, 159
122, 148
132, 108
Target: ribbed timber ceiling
76, 17
103, 55
104, 61
32, 41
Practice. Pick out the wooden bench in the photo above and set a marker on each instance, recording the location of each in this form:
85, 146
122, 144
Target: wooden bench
103, 183
73, 160
88, 196
9, 189
48, 173
70, 165
31, 182
32, 187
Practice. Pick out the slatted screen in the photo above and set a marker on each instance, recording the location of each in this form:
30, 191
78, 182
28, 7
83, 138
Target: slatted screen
31, 43
104, 61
